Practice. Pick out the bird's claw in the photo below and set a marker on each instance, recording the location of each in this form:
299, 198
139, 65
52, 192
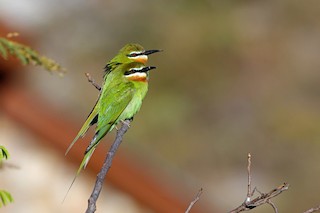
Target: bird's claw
126, 122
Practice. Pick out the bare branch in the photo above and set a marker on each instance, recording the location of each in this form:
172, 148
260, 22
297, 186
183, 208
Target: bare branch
250, 203
262, 199
197, 197
249, 193
91, 80
106, 166
314, 209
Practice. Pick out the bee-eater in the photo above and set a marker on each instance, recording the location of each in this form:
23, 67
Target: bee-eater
125, 86
120, 99
128, 54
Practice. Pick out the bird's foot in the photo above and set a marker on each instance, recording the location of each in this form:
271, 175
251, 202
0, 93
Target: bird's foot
126, 122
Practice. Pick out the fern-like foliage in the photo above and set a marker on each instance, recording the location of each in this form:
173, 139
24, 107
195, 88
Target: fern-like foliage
5, 198
27, 55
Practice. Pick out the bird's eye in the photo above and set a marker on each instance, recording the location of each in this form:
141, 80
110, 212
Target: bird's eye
133, 54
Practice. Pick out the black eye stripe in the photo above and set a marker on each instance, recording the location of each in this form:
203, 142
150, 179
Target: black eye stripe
135, 54
133, 71
141, 70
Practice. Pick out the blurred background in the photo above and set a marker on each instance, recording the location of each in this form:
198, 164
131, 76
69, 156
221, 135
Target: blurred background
234, 77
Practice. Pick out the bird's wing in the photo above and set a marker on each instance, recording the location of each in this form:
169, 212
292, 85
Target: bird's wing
111, 107
91, 119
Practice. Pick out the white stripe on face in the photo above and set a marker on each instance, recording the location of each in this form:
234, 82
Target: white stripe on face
137, 75
139, 58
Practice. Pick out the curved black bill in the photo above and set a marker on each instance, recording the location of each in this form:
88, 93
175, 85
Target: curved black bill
149, 52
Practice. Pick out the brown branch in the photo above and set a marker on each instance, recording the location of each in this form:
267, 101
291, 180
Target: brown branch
264, 198
314, 209
196, 198
106, 166
91, 80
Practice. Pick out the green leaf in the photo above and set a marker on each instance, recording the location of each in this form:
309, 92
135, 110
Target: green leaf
4, 154
5, 198
24, 60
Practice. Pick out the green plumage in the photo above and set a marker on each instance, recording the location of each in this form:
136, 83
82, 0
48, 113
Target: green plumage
120, 99
125, 86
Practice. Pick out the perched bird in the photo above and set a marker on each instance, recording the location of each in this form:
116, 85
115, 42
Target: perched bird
125, 86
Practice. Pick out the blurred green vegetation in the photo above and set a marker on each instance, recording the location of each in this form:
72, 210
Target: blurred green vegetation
26, 54
5, 197
235, 77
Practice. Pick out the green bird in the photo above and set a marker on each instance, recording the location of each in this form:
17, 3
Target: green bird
125, 86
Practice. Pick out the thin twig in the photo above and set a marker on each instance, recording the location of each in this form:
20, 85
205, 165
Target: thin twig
196, 198
91, 80
250, 203
314, 209
106, 166
249, 193
262, 199
273, 206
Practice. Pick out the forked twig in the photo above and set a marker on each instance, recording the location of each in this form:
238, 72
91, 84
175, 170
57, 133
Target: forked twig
251, 203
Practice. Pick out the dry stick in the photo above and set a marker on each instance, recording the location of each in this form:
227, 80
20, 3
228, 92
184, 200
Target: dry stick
197, 197
249, 193
106, 166
314, 209
91, 80
264, 198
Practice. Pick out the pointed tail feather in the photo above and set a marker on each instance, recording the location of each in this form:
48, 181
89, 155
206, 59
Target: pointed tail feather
90, 121
89, 151
81, 133
86, 159
72, 143
83, 165
74, 179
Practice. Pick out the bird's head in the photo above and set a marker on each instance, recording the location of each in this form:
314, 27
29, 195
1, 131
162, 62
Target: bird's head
134, 53
128, 54
136, 71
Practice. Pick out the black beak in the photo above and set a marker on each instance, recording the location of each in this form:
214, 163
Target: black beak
149, 52
146, 69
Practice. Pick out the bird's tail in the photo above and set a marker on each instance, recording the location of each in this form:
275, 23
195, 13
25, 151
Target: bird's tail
89, 151
91, 119
83, 165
